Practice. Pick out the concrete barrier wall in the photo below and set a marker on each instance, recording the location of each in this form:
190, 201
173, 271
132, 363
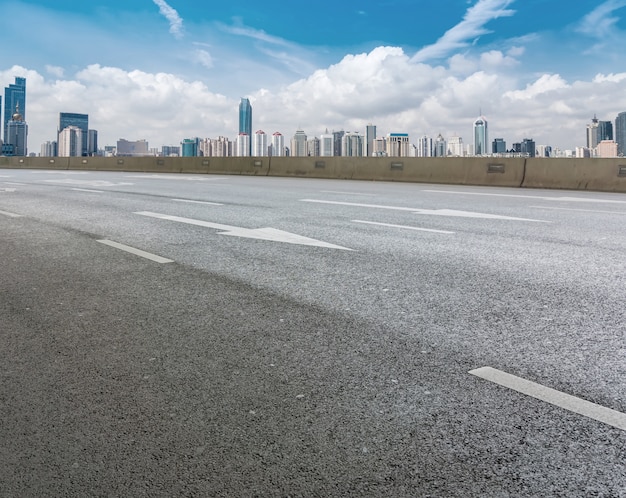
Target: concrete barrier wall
608, 175
577, 174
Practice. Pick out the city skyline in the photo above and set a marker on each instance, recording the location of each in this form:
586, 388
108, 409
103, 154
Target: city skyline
533, 76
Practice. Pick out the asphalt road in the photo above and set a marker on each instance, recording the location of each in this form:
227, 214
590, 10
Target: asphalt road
181, 335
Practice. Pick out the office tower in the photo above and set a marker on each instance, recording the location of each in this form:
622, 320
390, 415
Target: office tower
298, 144
544, 151
498, 146
260, 144
313, 147
398, 145
440, 147
16, 134
337, 138
70, 143
620, 133
189, 147
326, 144
528, 147
592, 133
370, 136
242, 145
80, 121
379, 147
14, 96
352, 145
92, 142
424, 147
170, 151
605, 131
481, 137
245, 121
278, 144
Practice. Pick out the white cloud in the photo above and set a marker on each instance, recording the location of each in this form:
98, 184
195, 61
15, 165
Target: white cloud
383, 87
600, 22
204, 58
176, 22
465, 33
55, 71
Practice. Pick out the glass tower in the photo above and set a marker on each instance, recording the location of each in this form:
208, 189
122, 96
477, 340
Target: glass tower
14, 97
481, 137
245, 120
81, 121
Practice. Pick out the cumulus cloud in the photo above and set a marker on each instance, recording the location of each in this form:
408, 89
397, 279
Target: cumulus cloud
471, 27
55, 71
383, 87
176, 22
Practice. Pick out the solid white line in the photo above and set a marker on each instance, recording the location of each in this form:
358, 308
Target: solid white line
356, 204
345, 193
88, 190
198, 202
403, 226
542, 198
10, 215
554, 397
15, 183
578, 210
136, 252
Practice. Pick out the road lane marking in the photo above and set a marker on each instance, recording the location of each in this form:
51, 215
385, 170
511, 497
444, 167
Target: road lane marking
431, 212
176, 177
55, 172
136, 252
403, 226
578, 210
345, 193
271, 234
88, 190
198, 202
10, 215
88, 183
542, 198
554, 397
16, 184
7, 190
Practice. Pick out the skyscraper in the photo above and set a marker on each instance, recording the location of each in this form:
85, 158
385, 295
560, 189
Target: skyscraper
298, 144
245, 121
620, 133
70, 141
16, 134
481, 137
81, 121
370, 136
592, 133
278, 144
260, 144
605, 131
14, 96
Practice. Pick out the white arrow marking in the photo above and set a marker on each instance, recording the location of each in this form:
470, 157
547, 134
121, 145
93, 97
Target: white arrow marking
433, 212
89, 183
272, 234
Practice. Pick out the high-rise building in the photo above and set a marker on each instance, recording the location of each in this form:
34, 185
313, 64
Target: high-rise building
498, 146
132, 148
455, 146
313, 147
606, 148
190, 147
370, 136
605, 131
92, 142
337, 139
592, 133
398, 145
49, 149
481, 137
245, 121
14, 97
352, 144
80, 121
242, 145
424, 147
440, 147
170, 150
16, 134
70, 141
260, 144
298, 144
620, 133
528, 147
326, 144
379, 147
278, 144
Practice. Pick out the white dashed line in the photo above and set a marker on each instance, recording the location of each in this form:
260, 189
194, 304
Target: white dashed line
10, 215
136, 252
403, 226
554, 397
88, 190
198, 202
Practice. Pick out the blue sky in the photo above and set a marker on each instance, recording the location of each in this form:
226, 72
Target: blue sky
165, 70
